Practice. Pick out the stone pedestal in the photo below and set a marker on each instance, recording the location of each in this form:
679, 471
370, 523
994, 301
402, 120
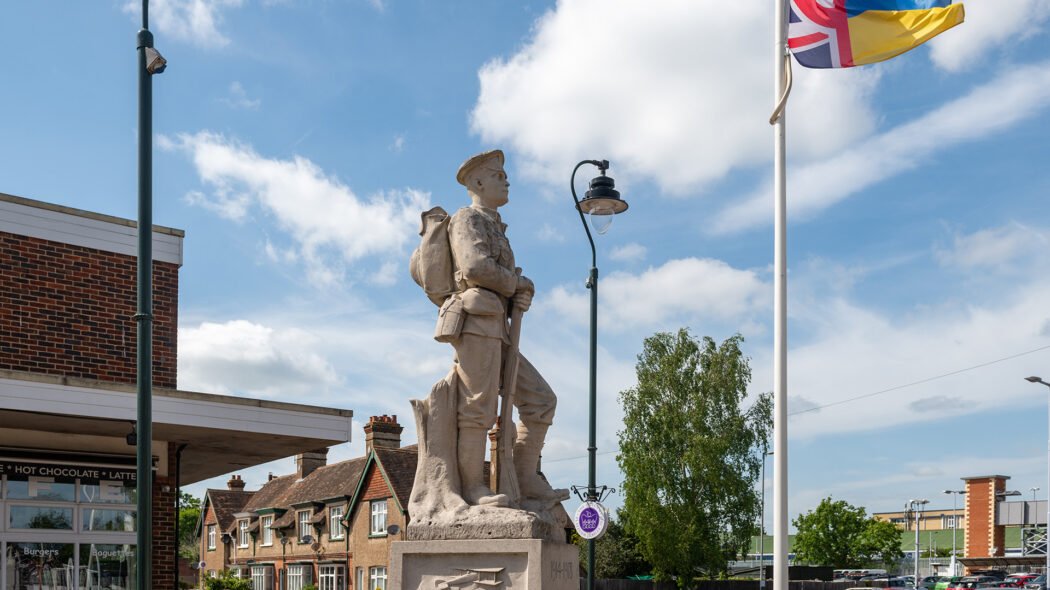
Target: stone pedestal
501, 564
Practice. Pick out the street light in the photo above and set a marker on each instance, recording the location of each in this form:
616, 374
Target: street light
955, 521
150, 63
916, 507
601, 202
1046, 534
762, 528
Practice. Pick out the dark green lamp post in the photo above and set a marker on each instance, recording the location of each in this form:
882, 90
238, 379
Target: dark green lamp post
601, 202
149, 62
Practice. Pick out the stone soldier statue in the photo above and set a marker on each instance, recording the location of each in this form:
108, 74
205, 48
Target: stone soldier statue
487, 284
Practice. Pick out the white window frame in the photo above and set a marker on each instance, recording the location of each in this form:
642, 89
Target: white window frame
359, 578
336, 530
377, 578
262, 577
266, 532
303, 526
243, 539
298, 576
331, 577
378, 520
211, 537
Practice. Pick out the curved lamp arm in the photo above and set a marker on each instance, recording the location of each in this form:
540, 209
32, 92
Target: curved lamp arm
602, 165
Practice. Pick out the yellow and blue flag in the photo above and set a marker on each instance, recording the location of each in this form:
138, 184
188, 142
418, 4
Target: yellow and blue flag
847, 33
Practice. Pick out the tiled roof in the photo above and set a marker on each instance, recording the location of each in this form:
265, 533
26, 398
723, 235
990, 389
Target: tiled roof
271, 493
400, 467
330, 481
225, 503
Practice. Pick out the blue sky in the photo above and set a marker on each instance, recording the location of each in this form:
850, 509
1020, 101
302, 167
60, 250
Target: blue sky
297, 142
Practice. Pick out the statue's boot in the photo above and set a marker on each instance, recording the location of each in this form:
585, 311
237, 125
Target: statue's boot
527, 463
471, 454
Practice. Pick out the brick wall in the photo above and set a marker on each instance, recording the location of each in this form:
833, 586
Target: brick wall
983, 537
67, 310
368, 551
164, 540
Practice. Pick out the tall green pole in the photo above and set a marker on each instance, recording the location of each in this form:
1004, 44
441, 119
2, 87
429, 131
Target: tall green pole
144, 316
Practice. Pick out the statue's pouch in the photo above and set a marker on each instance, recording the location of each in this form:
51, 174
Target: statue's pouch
450, 320
478, 301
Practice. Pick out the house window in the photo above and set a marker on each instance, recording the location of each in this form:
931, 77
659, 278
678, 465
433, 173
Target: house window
242, 533
947, 521
267, 532
298, 577
331, 577
377, 578
262, 577
378, 519
211, 537
359, 578
304, 525
335, 522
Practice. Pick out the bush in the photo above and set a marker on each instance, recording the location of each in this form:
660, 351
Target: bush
227, 581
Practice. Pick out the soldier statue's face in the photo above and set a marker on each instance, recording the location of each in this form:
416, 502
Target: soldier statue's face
490, 185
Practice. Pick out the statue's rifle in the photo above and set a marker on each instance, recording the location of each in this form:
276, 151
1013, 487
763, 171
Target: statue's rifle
506, 477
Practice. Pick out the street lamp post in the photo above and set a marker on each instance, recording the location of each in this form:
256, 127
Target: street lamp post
1046, 535
762, 528
1034, 490
150, 62
601, 202
916, 507
955, 521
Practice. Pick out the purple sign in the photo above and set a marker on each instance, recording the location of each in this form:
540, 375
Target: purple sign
591, 520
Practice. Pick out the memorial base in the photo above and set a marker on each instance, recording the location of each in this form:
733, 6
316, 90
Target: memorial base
500, 564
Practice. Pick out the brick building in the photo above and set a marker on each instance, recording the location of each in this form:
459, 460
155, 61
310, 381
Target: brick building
68, 403
328, 525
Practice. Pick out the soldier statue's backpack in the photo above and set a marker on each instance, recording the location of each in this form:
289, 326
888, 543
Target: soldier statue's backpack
431, 264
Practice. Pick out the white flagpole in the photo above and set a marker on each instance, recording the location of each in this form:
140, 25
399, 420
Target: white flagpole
780, 451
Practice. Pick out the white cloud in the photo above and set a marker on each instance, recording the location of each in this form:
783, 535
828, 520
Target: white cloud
988, 23
398, 145
241, 357
192, 21
238, 98
1009, 98
992, 248
684, 288
329, 224
648, 85
632, 252
548, 233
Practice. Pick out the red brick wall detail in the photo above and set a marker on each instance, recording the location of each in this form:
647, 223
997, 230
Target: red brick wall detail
67, 310
375, 485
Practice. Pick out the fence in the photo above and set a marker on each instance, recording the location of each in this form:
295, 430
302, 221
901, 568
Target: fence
711, 585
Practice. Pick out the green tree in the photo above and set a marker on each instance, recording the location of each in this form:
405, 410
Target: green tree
691, 455
616, 554
189, 516
839, 534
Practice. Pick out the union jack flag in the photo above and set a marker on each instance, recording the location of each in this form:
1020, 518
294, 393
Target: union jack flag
818, 33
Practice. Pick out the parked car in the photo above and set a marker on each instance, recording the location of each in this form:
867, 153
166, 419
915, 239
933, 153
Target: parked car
944, 581
929, 582
970, 582
1036, 583
1017, 580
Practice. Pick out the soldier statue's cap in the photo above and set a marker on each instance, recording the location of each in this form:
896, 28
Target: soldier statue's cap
476, 161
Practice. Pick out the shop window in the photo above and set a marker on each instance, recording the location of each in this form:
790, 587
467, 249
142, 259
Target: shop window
94, 519
267, 532
242, 533
35, 566
298, 577
211, 537
304, 525
378, 518
331, 577
335, 522
262, 577
40, 517
377, 578
44, 489
106, 567
107, 492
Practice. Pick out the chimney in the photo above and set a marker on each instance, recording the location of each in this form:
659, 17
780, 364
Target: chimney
382, 431
984, 536
306, 463
236, 484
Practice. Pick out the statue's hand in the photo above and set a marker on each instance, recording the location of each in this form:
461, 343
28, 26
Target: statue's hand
523, 296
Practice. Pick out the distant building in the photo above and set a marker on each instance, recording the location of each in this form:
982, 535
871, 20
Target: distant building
68, 403
327, 525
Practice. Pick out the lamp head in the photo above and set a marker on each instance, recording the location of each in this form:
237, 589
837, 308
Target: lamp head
602, 200
1034, 379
